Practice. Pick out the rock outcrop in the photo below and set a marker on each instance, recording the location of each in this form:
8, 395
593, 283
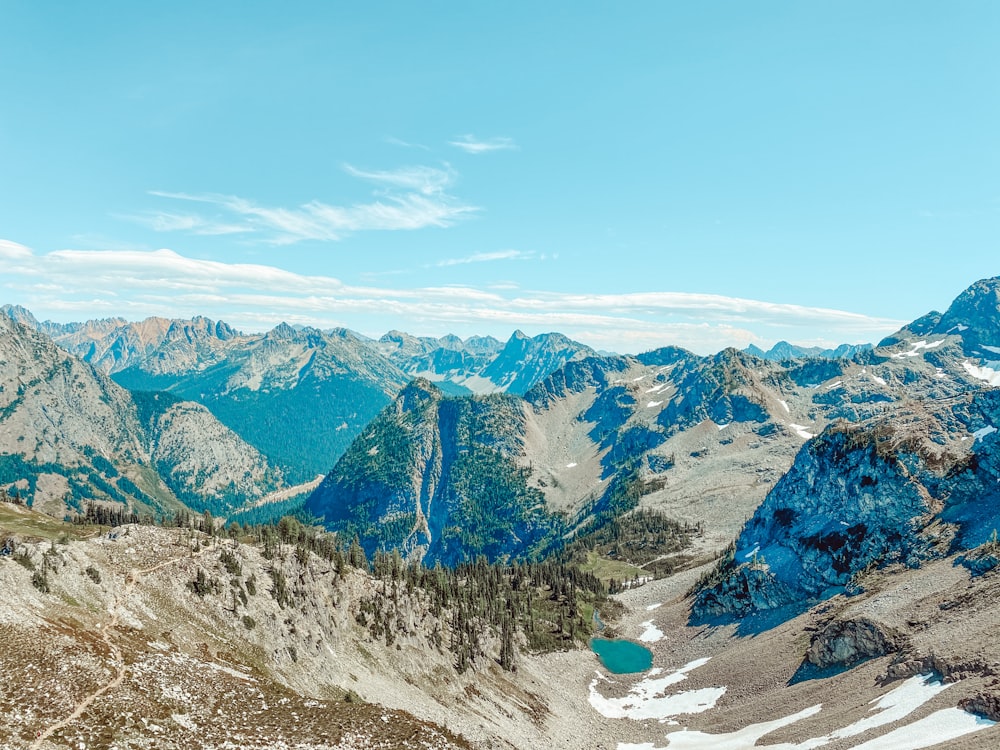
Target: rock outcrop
846, 642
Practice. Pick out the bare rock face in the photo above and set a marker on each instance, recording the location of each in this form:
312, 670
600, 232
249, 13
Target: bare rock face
984, 704
750, 588
69, 434
845, 642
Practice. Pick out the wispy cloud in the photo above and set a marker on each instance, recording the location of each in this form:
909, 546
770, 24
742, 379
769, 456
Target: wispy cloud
486, 258
405, 144
426, 206
472, 145
407, 198
422, 179
78, 284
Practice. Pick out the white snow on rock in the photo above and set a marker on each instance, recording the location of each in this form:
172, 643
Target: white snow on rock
801, 431
651, 634
891, 708
651, 607
983, 432
571, 464
651, 404
752, 552
877, 379
723, 426
649, 699
994, 349
940, 726
915, 348
990, 374
785, 405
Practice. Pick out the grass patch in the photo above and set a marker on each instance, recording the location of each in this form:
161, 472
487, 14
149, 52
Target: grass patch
606, 569
32, 525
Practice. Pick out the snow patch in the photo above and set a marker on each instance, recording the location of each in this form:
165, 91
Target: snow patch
651, 607
651, 404
723, 426
994, 349
940, 726
983, 432
891, 708
785, 405
877, 379
752, 552
651, 634
571, 464
915, 348
648, 698
230, 671
801, 431
990, 374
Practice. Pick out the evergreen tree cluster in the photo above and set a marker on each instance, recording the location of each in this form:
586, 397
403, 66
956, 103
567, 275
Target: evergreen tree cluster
483, 608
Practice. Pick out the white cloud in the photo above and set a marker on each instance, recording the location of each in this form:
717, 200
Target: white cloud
486, 258
316, 220
472, 145
405, 144
80, 284
422, 179
13, 251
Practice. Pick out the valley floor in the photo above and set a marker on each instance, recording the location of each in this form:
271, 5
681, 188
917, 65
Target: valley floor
120, 654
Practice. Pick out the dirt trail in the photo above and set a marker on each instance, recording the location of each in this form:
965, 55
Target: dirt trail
131, 579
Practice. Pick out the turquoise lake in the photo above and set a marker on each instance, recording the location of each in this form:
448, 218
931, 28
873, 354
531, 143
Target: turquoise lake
622, 657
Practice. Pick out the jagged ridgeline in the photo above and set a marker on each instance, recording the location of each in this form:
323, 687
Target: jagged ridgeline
438, 478
69, 436
912, 480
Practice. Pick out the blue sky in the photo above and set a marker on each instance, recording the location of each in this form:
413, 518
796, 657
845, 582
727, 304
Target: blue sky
632, 174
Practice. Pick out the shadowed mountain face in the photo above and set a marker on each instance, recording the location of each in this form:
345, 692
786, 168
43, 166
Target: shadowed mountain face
70, 435
602, 435
439, 479
299, 396
481, 364
914, 482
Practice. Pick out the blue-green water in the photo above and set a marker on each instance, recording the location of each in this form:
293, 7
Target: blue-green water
622, 657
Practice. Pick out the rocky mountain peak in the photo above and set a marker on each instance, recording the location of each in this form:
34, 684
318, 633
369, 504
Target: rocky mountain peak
975, 314
417, 393
20, 314
451, 341
282, 331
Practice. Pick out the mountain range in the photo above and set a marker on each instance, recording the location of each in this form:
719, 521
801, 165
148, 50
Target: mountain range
806, 541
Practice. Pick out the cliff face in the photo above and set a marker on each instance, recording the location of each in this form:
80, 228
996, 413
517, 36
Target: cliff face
915, 476
69, 435
868, 495
439, 479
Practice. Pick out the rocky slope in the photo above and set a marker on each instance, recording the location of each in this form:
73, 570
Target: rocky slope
438, 479
784, 350
910, 481
481, 364
298, 396
68, 434
120, 648
166, 638
595, 439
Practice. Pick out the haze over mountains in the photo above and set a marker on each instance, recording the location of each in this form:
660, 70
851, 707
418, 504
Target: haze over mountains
821, 525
